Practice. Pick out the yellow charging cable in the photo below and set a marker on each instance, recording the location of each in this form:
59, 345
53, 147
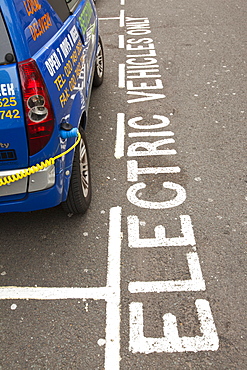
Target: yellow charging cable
39, 166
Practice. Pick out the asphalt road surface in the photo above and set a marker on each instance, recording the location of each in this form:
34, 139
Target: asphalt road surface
153, 276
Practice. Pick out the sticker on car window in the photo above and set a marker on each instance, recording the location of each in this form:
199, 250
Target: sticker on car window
40, 23
65, 65
40, 26
85, 16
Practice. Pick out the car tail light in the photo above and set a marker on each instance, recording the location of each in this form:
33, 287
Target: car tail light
38, 109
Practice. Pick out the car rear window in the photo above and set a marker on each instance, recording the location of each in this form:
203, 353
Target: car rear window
60, 8
6, 51
72, 3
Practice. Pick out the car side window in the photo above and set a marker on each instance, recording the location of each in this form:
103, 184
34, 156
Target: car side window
6, 51
72, 4
61, 8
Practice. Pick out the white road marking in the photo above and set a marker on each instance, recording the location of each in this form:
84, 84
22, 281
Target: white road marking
174, 202
133, 170
122, 18
153, 126
171, 342
142, 73
148, 134
44, 293
144, 85
196, 283
119, 145
112, 349
121, 76
110, 293
140, 64
145, 96
122, 2
150, 148
160, 239
121, 42
108, 18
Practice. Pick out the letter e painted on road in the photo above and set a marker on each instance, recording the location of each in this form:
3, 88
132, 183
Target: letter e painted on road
160, 239
171, 342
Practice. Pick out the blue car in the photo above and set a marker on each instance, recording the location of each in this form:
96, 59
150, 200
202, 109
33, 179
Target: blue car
51, 56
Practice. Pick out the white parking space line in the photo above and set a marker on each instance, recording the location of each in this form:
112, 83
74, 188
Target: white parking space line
122, 18
121, 42
121, 76
108, 18
112, 350
43, 293
110, 293
119, 146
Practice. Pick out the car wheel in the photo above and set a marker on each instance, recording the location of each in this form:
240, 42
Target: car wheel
99, 65
80, 192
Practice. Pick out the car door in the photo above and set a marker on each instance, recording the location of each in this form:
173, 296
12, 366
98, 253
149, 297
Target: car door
66, 62
87, 24
13, 139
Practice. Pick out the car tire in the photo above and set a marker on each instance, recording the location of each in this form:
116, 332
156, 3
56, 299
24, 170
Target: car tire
80, 191
99, 65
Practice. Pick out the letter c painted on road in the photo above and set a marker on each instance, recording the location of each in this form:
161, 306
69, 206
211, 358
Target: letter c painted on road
179, 198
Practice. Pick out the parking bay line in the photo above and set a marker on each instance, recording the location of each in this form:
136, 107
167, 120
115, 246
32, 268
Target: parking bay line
120, 134
121, 42
121, 76
121, 18
110, 293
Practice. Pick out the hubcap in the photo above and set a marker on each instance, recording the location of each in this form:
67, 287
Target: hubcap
99, 61
84, 169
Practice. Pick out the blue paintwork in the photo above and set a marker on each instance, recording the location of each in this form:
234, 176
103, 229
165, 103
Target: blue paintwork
13, 131
59, 79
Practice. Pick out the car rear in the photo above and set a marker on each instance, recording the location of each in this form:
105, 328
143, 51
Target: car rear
13, 136
26, 121
46, 73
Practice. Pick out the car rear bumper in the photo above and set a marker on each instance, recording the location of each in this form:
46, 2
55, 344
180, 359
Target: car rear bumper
36, 199
40, 180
